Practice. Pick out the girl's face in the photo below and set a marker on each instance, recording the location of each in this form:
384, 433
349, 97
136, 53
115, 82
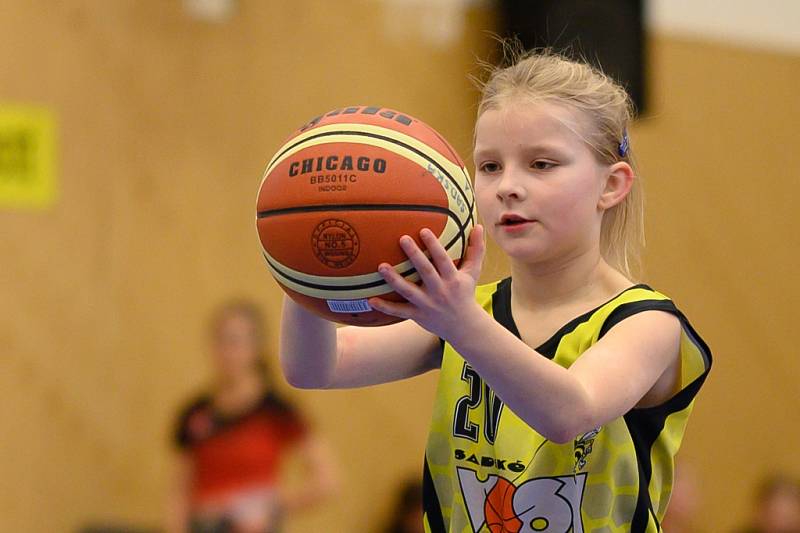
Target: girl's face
235, 347
537, 183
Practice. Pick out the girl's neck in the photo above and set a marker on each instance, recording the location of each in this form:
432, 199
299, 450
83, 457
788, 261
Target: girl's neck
582, 277
238, 393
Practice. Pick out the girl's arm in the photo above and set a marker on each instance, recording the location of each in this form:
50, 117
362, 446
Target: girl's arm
608, 380
636, 356
315, 354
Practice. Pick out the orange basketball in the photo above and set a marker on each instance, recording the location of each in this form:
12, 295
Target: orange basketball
499, 509
339, 194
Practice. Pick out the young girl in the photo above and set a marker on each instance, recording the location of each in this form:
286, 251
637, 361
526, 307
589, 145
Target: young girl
565, 389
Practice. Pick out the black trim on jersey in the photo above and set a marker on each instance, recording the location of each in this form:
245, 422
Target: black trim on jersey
631, 308
501, 306
646, 424
440, 353
430, 502
501, 310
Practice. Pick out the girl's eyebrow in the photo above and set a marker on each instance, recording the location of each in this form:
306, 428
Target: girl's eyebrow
478, 152
554, 150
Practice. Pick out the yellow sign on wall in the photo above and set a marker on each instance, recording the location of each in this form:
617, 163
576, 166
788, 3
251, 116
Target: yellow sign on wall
27, 156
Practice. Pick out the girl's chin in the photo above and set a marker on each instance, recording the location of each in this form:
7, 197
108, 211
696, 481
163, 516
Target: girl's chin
523, 252
524, 248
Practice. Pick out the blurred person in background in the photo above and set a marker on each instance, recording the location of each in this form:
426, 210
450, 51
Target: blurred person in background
777, 506
233, 440
406, 515
684, 501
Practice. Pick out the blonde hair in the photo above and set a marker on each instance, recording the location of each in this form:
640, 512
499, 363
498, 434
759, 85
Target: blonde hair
545, 76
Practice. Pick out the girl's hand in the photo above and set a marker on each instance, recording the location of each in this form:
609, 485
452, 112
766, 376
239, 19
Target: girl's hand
446, 293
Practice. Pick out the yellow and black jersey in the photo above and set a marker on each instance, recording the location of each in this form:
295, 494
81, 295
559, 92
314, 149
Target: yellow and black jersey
487, 471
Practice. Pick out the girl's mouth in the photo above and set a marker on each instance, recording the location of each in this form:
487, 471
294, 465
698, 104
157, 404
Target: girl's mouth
514, 220
511, 223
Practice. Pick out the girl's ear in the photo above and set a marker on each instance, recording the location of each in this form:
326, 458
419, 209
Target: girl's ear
618, 183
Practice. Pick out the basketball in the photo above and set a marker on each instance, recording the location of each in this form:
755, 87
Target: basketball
499, 510
338, 195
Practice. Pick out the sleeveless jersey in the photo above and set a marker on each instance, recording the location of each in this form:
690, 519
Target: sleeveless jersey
487, 471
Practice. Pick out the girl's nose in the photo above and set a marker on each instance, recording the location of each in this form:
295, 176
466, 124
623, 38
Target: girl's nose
510, 188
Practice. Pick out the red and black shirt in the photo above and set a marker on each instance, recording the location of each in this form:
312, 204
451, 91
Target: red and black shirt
232, 453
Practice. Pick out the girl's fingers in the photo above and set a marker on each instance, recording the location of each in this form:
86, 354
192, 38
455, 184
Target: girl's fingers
401, 286
427, 272
473, 259
443, 263
398, 309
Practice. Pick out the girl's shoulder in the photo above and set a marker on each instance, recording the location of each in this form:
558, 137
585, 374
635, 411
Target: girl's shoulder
495, 297
632, 300
628, 297
640, 298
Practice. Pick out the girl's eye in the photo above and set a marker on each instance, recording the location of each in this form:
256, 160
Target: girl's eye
489, 167
542, 165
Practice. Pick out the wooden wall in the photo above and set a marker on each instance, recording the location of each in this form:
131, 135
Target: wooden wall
165, 125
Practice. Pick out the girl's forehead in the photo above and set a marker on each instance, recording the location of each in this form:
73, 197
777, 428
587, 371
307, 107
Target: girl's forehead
533, 121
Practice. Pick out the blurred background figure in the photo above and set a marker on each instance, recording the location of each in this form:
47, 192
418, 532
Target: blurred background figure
684, 502
234, 438
406, 515
776, 507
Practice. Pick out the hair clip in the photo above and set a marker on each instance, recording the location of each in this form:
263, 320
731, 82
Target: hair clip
622, 149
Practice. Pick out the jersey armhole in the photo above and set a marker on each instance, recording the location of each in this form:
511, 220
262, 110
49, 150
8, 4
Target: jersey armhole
687, 393
440, 355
